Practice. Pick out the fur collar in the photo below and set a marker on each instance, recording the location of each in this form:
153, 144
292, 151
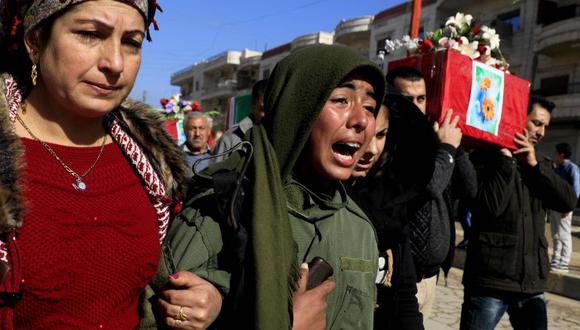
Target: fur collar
143, 123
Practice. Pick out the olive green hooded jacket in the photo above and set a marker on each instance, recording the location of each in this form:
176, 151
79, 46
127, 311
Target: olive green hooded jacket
279, 213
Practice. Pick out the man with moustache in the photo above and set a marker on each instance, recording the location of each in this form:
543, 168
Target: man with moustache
507, 260
197, 128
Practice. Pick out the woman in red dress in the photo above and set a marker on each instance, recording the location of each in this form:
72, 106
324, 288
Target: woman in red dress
88, 180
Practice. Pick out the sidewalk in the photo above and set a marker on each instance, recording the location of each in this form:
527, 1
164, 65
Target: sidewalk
562, 312
567, 285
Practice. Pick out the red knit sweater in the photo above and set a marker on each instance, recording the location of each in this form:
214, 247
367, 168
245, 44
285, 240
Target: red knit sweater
86, 256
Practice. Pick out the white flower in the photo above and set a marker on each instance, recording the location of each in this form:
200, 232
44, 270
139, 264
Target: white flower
468, 19
466, 48
490, 35
460, 20
390, 45
406, 41
410, 43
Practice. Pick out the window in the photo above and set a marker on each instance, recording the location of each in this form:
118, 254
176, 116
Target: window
554, 85
197, 86
382, 42
508, 23
555, 11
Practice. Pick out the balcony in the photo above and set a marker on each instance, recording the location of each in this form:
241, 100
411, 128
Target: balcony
567, 105
250, 61
222, 89
222, 60
559, 37
312, 39
182, 75
353, 31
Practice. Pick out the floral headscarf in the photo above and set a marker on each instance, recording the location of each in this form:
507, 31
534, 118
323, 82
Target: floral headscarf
17, 16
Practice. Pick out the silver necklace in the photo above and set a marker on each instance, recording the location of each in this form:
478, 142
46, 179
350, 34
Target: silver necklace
79, 183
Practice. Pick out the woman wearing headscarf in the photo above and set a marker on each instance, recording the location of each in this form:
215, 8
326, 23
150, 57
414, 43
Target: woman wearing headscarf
387, 192
321, 103
88, 180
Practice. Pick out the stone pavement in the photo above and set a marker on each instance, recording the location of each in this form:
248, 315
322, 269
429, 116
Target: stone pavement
562, 312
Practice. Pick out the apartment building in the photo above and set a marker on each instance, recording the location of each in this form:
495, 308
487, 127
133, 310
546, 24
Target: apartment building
539, 38
230, 73
354, 33
216, 79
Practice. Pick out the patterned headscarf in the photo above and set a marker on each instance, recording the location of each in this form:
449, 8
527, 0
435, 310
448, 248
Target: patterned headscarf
25, 15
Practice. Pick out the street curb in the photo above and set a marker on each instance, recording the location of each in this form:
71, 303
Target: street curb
575, 220
567, 285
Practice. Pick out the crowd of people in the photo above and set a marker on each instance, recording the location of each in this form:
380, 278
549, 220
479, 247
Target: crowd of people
106, 223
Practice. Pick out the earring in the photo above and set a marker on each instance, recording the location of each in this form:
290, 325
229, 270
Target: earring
33, 74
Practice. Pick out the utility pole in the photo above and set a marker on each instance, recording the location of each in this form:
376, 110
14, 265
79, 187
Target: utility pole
415, 18
144, 100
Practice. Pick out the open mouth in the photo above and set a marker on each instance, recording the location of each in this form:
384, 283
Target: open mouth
364, 161
345, 151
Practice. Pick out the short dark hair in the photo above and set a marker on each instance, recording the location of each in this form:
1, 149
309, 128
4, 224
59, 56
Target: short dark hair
541, 101
564, 149
403, 72
259, 89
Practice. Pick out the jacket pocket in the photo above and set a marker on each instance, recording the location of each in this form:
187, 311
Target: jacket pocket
498, 254
356, 310
357, 302
543, 257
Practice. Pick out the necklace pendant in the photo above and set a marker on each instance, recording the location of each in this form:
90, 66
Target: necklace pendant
80, 185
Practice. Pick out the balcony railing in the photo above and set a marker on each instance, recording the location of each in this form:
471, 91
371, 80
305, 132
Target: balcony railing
216, 56
559, 35
360, 24
222, 88
181, 73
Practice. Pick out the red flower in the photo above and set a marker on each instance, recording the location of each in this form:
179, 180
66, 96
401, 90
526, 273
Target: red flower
481, 49
425, 45
475, 29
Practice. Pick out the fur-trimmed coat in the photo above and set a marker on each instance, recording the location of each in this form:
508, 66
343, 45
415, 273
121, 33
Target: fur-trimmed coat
139, 121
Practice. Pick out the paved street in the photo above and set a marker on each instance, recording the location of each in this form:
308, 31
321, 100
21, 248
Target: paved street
562, 312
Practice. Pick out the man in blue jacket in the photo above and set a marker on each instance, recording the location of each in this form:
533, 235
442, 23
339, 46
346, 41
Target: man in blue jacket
561, 223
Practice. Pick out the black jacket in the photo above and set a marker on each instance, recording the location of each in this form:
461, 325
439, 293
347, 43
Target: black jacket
507, 248
387, 204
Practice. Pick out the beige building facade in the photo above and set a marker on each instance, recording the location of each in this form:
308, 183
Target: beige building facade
539, 38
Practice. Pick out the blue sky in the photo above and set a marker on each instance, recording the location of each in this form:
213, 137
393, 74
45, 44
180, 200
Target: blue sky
192, 30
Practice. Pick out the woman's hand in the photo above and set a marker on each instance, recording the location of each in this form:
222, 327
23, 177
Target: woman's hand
309, 307
190, 303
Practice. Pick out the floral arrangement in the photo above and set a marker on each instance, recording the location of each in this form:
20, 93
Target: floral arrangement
462, 33
175, 108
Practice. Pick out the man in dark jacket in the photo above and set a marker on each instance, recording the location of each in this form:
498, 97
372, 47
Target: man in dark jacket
431, 226
507, 260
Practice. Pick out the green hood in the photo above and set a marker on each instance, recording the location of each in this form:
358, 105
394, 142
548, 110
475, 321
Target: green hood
296, 92
298, 89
